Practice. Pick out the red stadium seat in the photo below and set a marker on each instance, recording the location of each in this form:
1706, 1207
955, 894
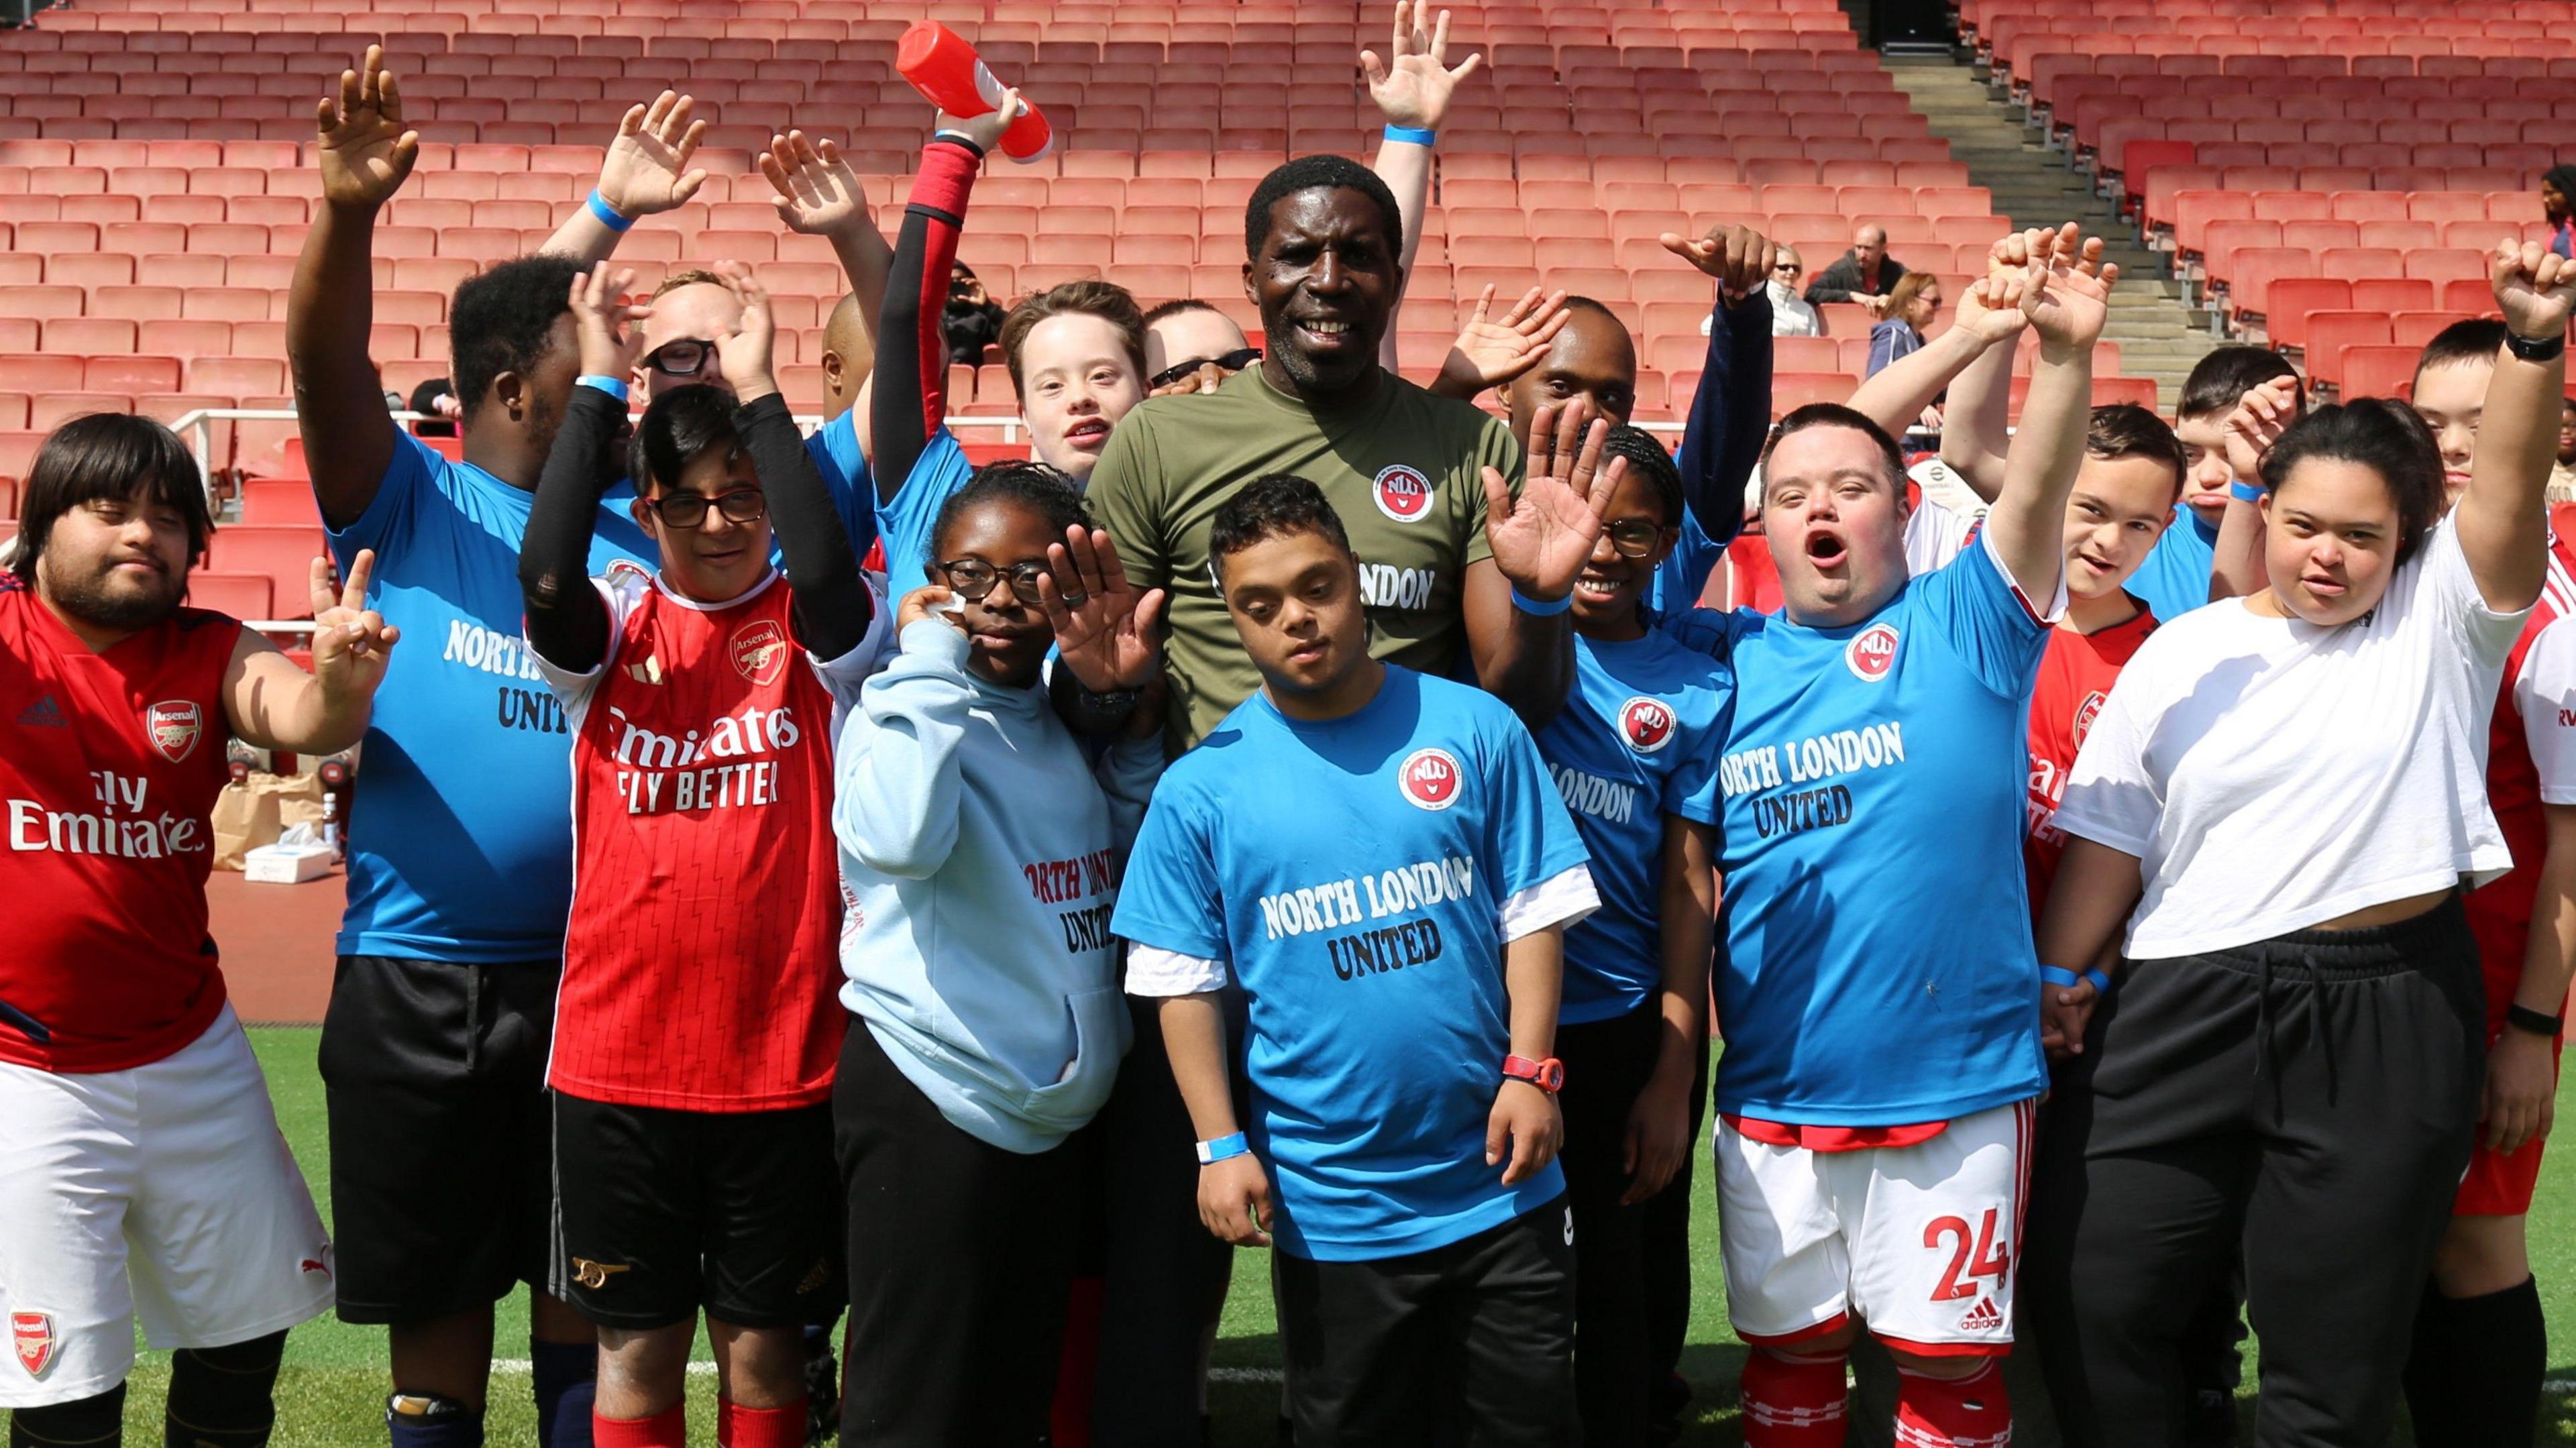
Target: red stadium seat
2378, 371
2331, 333
241, 595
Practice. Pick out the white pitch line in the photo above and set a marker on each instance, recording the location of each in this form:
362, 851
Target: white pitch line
518, 1367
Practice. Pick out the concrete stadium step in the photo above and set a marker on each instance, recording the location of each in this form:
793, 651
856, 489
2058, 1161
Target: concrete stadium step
2159, 335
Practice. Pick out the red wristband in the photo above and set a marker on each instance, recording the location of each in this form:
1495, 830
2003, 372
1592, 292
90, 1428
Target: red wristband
1547, 1075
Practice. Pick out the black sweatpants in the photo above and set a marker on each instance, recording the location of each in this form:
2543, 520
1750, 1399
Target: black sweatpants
1163, 1273
1607, 1064
1479, 1333
2312, 1095
961, 1255
1668, 1260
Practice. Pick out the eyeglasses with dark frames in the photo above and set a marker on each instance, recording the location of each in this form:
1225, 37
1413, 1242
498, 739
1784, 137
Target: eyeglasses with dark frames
685, 511
1230, 363
973, 578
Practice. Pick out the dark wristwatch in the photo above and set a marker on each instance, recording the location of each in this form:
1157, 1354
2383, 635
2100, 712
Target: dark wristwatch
2524, 1018
2535, 349
1114, 701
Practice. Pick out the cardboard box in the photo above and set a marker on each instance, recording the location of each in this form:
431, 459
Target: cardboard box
286, 864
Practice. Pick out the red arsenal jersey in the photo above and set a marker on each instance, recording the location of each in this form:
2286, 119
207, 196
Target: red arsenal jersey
111, 766
2075, 675
2500, 913
701, 960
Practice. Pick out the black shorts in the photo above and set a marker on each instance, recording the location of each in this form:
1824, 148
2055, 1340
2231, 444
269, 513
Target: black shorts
660, 1213
434, 1079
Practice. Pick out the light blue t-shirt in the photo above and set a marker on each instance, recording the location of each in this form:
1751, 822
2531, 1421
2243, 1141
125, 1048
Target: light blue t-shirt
1678, 580
903, 526
2175, 578
1354, 873
1638, 739
1879, 968
460, 834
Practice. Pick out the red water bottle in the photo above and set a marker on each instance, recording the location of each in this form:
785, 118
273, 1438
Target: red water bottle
948, 73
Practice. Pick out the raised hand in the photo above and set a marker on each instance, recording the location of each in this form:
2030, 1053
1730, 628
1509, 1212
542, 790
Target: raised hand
1541, 539
647, 169
818, 193
2257, 423
1413, 86
2534, 286
986, 130
604, 315
361, 145
1737, 257
351, 642
744, 349
1104, 629
1991, 307
1490, 353
2069, 298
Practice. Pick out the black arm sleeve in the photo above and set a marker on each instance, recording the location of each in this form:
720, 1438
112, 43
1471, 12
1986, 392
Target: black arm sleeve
566, 620
833, 606
910, 401
1730, 417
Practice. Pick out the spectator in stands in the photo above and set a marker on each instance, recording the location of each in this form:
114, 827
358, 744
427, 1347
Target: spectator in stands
460, 867
1184, 336
1899, 333
435, 401
1791, 315
973, 320
2562, 478
1863, 275
2558, 207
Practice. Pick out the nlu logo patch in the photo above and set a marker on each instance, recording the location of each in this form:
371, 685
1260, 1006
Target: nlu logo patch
1647, 724
1428, 778
2085, 714
173, 726
760, 651
1402, 493
32, 1335
1873, 653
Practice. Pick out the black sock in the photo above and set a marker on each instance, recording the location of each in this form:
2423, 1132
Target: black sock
2474, 1377
224, 1397
93, 1422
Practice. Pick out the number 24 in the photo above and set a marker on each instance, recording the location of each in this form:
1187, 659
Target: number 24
1987, 1261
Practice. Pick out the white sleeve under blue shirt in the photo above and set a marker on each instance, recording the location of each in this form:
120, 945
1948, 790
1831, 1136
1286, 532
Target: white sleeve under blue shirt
1358, 878
1638, 739
1878, 968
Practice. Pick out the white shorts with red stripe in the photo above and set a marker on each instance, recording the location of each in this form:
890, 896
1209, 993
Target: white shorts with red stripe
1915, 1242
162, 1193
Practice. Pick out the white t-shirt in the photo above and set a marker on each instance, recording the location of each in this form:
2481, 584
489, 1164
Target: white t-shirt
2271, 775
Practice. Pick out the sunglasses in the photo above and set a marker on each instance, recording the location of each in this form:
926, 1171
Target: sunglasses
682, 357
685, 511
976, 579
1787, 268
1230, 363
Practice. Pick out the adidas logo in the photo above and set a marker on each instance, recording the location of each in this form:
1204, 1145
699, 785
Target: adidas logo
1982, 1318
42, 714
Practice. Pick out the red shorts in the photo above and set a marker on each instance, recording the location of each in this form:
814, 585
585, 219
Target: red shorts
2499, 1185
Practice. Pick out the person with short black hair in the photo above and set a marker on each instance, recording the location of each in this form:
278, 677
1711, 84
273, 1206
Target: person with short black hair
2177, 576
2293, 917
1376, 860
2557, 187
142, 1176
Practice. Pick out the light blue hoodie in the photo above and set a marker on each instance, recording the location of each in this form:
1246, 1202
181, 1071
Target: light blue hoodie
982, 857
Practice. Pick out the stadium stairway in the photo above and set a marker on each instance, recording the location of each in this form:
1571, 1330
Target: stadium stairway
2158, 334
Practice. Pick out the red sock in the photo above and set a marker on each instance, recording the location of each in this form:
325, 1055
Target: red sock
1792, 1401
1969, 1412
741, 1427
1071, 1410
668, 1428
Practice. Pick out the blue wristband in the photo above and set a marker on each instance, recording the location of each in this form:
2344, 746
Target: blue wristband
1224, 1148
1415, 134
2059, 975
1527, 604
608, 215
2245, 492
614, 387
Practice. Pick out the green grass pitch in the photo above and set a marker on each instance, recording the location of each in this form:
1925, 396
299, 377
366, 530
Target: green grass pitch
332, 1391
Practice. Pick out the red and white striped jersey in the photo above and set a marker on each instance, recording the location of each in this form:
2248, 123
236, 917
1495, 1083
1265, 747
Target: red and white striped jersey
2531, 757
701, 961
110, 767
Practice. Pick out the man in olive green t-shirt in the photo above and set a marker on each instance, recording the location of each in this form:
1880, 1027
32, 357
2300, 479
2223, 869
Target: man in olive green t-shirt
1407, 471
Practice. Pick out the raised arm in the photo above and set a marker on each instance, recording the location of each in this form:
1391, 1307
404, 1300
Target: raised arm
1730, 414
271, 703
566, 619
646, 171
819, 194
363, 152
908, 397
2502, 518
1516, 602
2067, 301
1491, 353
832, 607
1989, 318
1412, 90
2236, 563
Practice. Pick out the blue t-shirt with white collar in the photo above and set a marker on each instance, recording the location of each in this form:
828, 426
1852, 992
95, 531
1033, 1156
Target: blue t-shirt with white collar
1356, 874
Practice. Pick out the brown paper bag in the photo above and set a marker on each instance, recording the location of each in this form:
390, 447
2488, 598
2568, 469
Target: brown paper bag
244, 818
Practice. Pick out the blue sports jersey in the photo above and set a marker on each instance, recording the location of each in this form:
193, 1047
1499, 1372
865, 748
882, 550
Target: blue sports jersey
1353, 872
460, 836
1684, 572
1879, 968
2175, 578
904, 525
834, 447
1638, 739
